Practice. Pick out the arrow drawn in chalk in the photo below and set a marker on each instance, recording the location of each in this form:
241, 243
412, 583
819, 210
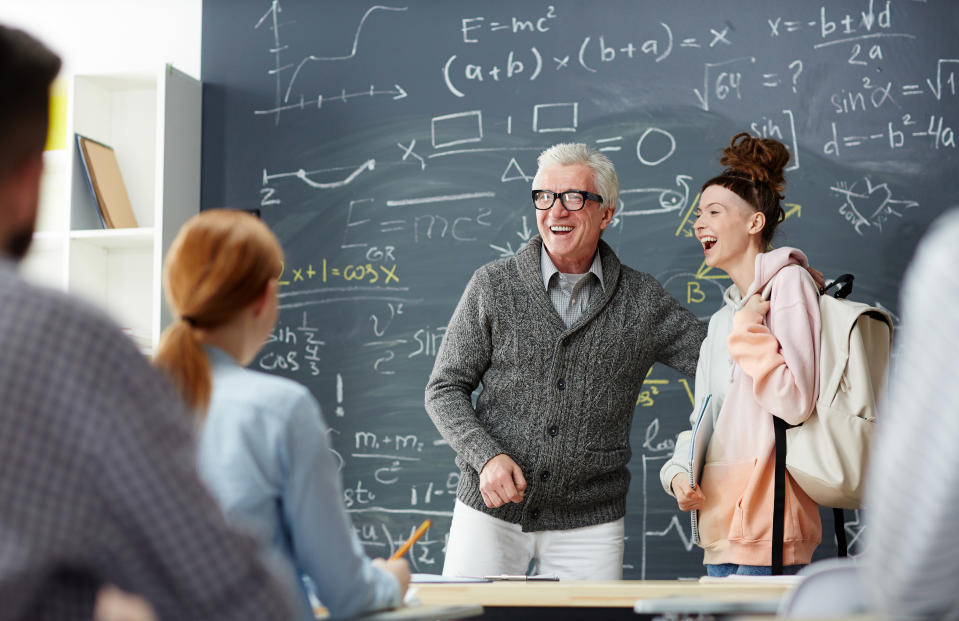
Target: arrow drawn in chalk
303, 176
504, 252
525, 234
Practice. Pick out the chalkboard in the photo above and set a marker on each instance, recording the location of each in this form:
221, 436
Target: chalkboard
391, 147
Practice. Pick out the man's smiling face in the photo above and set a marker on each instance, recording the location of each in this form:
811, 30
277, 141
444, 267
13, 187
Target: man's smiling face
570, 237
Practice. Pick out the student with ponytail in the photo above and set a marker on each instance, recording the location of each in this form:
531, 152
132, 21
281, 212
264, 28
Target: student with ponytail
759, 358
263, 446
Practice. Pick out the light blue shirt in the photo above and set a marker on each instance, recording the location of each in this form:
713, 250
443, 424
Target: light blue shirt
264, 452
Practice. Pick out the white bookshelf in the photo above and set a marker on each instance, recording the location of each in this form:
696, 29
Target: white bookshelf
153, 123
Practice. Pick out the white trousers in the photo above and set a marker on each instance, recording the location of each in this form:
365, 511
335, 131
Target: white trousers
481, 545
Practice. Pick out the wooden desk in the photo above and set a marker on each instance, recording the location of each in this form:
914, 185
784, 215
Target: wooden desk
423, 612
863, 617
566, 600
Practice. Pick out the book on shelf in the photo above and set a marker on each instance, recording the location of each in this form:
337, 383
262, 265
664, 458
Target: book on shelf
102, 172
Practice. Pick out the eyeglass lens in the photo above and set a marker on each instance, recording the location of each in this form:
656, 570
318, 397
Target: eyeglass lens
571, 200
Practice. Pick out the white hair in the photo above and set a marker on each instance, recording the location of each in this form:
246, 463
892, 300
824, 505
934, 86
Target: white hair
604, 174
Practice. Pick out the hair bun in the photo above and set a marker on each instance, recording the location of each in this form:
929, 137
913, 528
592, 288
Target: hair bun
763, 159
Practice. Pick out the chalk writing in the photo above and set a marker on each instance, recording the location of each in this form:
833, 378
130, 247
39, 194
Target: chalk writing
867, 206
392, 148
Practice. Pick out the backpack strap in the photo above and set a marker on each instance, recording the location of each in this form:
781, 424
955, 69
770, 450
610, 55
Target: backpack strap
779, 479
842, 284
839, 527
779, 496
779, 504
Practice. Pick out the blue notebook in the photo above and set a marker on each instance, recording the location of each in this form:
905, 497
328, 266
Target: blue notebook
86, 175
702, 432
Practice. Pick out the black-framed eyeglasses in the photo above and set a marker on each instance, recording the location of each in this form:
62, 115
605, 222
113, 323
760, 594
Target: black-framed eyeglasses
572, 200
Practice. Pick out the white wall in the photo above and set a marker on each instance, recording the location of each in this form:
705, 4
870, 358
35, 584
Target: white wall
113, 36
97, 37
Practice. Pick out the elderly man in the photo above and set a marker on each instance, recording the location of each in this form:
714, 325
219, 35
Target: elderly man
561, 337
99, 479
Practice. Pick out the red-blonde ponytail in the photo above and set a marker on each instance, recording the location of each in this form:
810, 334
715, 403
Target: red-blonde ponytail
218, 264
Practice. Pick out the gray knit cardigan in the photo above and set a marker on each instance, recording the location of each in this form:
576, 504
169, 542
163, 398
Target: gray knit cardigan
559, 401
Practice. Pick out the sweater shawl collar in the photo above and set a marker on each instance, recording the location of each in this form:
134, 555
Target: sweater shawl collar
528, 265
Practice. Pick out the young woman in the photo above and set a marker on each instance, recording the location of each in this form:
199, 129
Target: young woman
263, 446
760, 359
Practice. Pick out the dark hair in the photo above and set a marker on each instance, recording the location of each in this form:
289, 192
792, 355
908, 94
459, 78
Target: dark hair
27, 69
755, 171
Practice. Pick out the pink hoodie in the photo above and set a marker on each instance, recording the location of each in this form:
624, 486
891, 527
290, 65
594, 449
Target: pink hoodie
776, 371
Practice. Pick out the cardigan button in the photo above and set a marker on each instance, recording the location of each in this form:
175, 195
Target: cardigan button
561, 384
553, 430
534, 514
544, 476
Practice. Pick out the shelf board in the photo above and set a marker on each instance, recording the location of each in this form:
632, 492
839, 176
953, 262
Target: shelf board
46, 237
115, 238
120, 81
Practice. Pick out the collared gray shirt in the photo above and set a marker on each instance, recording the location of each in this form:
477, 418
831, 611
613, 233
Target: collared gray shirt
571, 293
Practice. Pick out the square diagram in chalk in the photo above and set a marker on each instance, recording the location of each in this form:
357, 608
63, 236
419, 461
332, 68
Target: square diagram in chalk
458, 128
555, 117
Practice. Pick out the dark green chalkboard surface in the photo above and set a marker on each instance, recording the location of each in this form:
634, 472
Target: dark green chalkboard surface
391, 147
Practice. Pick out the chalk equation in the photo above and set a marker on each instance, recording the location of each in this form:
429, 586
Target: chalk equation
272, 20
869, 207
393, 147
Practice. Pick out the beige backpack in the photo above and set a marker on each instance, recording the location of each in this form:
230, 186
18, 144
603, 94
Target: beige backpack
827, 455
